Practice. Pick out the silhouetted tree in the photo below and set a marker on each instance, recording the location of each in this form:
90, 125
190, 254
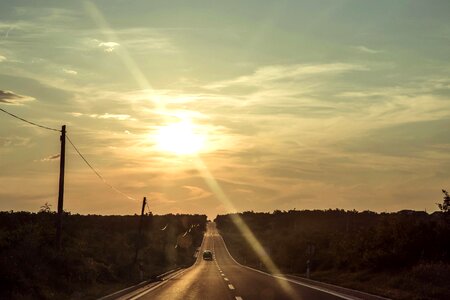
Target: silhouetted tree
445, 205
46, 208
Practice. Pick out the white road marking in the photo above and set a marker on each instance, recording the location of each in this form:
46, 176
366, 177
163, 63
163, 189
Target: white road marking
337, 294
231, 287
226, 279
222, 274
139, 295
238, 298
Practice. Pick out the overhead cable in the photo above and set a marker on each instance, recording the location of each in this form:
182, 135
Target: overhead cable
29, 122
97, 173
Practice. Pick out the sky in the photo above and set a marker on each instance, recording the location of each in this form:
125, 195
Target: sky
218, 106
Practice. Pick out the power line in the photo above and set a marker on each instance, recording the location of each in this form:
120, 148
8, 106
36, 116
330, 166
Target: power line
97, 173
29, 122
76, 149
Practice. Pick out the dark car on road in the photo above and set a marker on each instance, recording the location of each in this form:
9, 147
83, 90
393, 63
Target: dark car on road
207, 255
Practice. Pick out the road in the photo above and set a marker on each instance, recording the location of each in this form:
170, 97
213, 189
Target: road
224, 278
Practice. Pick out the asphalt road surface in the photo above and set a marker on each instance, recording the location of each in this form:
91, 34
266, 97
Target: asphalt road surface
224, 278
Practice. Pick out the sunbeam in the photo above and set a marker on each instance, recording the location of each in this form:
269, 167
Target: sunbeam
122, 51
241, 225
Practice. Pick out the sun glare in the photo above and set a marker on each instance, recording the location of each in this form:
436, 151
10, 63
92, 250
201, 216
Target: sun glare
180, 138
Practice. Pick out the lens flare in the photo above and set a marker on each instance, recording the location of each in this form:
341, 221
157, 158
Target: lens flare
180, 138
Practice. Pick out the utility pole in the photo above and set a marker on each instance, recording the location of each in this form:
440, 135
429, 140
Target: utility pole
62, 160
138, 239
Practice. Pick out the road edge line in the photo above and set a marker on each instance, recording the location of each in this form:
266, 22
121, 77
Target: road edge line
346, 297
294, 277
161, 283
132, 288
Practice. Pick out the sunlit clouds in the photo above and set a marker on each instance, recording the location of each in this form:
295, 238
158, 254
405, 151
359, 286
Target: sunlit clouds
108, 46
70, 72
119, 117
288, 106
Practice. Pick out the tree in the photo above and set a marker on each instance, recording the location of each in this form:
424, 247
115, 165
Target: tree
445, 206
46, 208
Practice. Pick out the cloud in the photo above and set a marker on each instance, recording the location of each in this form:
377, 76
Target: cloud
9, 97
145, 39
2, 58
14, 141
366, 50
278, 73
76, 114
51, 157
119, 117
108, 46
70, 72
196, 193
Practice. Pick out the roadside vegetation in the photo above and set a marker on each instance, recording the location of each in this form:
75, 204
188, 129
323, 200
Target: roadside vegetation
403, 255
97, 255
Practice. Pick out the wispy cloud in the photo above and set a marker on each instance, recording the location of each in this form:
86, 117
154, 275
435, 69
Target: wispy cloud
9, 97
108, 46
366, 49
196, 193
119, 117
145, 39
70, 72
288, 72
14, 141
51, 158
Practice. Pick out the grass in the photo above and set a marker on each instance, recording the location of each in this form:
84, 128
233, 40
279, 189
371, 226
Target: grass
424, 281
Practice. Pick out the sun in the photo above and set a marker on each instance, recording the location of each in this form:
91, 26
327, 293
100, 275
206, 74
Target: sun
180, 138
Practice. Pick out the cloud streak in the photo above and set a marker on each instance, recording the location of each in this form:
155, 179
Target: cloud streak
70, 72
51, 158
278, 73
105, 116
11, 98
366, 50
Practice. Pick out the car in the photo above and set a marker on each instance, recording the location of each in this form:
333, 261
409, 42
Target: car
207, 255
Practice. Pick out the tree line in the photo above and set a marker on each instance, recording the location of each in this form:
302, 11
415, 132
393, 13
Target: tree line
98, 253
409, 250
340, 239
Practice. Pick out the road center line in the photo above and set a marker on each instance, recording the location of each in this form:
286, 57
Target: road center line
238, 298
231, 287
226, 279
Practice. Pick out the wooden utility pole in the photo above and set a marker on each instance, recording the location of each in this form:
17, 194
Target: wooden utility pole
62, 160
138, 239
